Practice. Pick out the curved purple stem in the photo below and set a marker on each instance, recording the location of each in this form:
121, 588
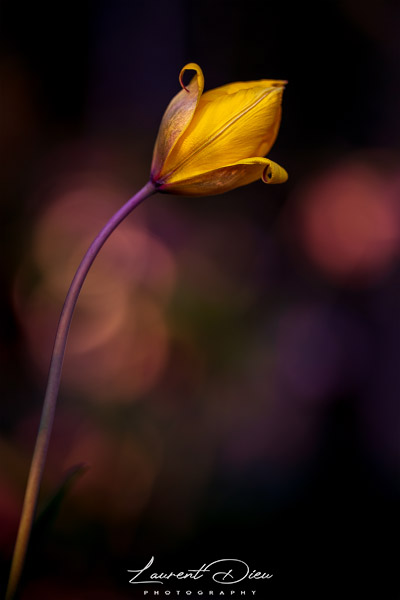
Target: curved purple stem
53, 384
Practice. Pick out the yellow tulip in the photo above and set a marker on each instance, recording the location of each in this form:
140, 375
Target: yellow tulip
214, 142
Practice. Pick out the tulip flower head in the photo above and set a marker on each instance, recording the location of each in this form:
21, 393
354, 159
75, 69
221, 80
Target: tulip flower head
214, 142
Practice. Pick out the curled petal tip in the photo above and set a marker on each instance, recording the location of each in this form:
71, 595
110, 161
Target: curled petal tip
273, 173
188, 67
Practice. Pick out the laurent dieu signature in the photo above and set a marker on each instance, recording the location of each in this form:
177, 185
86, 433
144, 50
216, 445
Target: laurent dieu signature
226, 571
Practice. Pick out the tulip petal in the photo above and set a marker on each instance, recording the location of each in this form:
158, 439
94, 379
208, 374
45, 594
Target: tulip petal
177, 117
228, 126
223, 179
232, 88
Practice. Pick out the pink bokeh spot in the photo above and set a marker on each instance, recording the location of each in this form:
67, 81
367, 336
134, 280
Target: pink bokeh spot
349, 223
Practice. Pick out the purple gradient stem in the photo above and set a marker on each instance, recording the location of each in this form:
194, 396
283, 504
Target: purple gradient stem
53, 385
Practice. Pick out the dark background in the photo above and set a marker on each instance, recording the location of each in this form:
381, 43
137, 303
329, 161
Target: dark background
233, 373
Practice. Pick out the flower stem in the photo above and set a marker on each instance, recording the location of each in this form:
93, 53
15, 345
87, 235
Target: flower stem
53, 384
